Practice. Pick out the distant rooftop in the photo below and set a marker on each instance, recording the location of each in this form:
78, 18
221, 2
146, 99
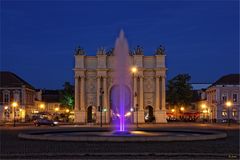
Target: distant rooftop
230, 79
51, 95
9, 79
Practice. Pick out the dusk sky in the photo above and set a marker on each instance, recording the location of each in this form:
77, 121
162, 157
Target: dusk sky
38, 39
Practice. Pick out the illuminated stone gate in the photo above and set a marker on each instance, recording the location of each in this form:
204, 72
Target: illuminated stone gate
147, 86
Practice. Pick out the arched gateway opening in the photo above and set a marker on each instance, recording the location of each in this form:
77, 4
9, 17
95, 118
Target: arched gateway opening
91, 114
148, 115
114, 99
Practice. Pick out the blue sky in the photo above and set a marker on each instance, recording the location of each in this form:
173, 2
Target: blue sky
38, 38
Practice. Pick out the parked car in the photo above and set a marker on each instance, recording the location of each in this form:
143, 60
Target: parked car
45, 121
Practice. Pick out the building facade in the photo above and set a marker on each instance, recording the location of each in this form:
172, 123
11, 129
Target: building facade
15, 89
227, 88
147, 86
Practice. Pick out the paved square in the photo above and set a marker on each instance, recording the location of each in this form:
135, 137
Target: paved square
15, 148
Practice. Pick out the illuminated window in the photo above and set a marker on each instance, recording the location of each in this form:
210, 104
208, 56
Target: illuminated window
234, 113
224, 113
235, 97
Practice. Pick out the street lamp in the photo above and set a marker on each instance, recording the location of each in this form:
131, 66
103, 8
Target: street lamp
134, 69
205, 110
228, 104
42, 106
137, 114
14, 105
5, 113
67, 110
182, 109
182, 115
56, 109
131, 110
105, 113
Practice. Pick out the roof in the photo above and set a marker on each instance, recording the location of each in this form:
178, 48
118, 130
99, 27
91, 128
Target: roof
9, 79
230, 79
51, 95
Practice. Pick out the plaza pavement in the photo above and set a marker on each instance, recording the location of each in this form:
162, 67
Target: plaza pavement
14, 148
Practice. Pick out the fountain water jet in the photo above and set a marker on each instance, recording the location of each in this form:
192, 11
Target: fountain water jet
121, 77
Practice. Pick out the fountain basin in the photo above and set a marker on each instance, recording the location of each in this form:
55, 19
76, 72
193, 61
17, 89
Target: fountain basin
128, 136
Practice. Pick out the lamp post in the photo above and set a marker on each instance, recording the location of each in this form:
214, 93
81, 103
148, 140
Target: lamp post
134, 70
204, 106
131, 110
14, 105
182, 110
42, 106
105, 115
5, 113
173, 110
137, 114
228, 104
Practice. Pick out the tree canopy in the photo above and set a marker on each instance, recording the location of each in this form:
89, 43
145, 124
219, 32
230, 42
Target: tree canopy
67, 99
179, 91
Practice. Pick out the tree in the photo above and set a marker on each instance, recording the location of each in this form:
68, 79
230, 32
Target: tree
67, 98
179, 91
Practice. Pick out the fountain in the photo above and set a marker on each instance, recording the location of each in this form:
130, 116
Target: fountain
121, 78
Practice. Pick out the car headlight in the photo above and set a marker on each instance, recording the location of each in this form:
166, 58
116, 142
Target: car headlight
55, 122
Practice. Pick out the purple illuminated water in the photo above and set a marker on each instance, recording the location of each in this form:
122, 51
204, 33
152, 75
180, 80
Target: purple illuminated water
121, 97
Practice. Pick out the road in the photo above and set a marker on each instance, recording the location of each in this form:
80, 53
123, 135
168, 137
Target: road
14, 148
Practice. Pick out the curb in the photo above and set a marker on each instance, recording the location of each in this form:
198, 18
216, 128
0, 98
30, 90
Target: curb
99, 138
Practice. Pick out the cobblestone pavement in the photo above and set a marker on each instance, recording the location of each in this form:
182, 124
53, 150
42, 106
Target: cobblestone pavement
15, 148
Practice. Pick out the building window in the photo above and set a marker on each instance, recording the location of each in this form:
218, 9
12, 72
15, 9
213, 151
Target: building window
16, 96
234, 113
235, 97
224, 98
6, 98
224, 113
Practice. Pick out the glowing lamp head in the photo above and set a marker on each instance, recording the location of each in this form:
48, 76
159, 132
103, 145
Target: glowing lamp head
204, 106
228, 103
56, 109
134, 69
67, 110
182, 108
42, 106
6, 107
131, 109
172, 110
14, 104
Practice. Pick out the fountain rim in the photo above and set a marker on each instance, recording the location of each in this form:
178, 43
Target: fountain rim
97, 137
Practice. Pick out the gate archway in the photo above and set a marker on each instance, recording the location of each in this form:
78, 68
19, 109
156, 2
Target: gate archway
148, 114
91, 114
